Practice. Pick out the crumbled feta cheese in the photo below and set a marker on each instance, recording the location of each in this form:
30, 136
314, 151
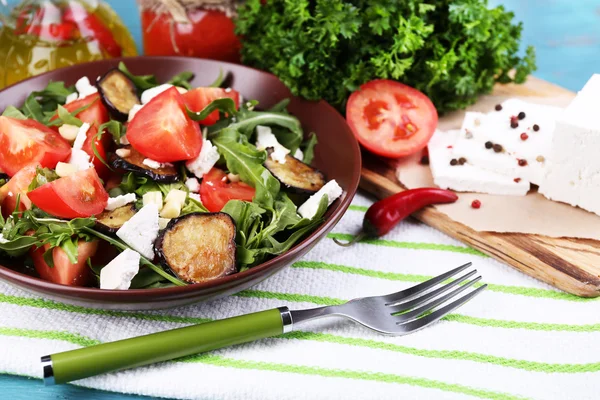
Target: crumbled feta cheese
118, 273
163, 222
120, 201
153, 198
208, 157
141, 231
80, 159
64, 169
195, 196
149, 94
124, 141
134, 110
123, 153
85, 88
68, 132
193, 185
310, 207
152, 164
81, 136
299, 155
467, 177
265, 139
72, 97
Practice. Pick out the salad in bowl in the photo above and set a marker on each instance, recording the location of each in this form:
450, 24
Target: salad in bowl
121, 182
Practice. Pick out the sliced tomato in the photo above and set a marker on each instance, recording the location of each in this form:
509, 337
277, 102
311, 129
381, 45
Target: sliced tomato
64, 272
198, 98
25, 142
162, 130
79, 195
17, 187
95, 115
391, 119
216, 190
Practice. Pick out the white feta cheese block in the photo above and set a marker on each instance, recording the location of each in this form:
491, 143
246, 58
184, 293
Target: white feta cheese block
195, 196
118, 273
120, 201
265, 139
149, 94
193, 185
81, 136
71, 98
573, 171
141, 230
134, 110
80, 159
331, 189
467, 177
208, 157
84, 87
524, 149
152, 164
299, 155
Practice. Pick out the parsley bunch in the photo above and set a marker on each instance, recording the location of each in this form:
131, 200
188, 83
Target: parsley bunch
452, 50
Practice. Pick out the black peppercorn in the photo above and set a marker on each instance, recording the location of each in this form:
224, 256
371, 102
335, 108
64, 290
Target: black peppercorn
498, 107
536, 127
453, 162
521, 115
462, 161
514, 124
489, 145
497, 148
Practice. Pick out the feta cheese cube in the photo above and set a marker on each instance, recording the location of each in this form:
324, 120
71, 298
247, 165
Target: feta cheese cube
120, 201
80, 159
467, 177
84, 87
134, 110
153, 198
64, 169
118, 273
193, 185
152, 164
68, 132
149, 94
141, 231
72, 97
208, 157
310, 207
523, 142
299, 155
265, 139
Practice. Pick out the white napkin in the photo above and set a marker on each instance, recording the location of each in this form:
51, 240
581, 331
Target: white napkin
519, 338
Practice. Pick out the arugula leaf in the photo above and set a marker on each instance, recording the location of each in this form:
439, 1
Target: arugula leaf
182, 80
281, 106
225, 105
42, 176
67, 118
245, 160
142, 82
13, 112
219, 81
246, 121
308, 148
53, 94
115, 128
32, 109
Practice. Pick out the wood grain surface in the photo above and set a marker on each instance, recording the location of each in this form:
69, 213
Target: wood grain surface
572, 265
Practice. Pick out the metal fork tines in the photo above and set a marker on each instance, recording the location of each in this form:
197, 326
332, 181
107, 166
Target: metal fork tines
408, 310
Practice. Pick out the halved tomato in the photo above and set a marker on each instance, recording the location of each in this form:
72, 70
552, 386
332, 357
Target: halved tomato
216, 190
64, 272
198, 98
80, 195
25, 142
95, 115
162, 130
17, 186
391, 119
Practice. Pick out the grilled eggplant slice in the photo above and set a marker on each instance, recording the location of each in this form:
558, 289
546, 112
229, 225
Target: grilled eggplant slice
111, 221
199, 247
134, 162
118, 94
294, 175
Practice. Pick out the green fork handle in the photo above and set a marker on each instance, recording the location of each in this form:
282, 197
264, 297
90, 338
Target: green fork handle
130, 353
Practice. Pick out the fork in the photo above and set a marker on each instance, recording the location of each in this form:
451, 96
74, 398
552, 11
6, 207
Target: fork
398, 313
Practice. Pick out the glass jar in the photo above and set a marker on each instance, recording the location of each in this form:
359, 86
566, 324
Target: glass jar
37, 36
193, 28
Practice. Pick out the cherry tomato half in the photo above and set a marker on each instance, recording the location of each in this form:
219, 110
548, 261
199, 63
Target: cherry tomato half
216, 190
391, 119
198, 98
17, 186
64, 272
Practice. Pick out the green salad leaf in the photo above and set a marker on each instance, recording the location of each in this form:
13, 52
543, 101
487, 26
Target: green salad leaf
142, 82
13, 112
182, 80
226, 106
219, 80
308, 148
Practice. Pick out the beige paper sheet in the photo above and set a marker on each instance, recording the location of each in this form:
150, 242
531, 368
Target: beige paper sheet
532, 214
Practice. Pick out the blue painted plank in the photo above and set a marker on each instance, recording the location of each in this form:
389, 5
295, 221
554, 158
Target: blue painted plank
566, 35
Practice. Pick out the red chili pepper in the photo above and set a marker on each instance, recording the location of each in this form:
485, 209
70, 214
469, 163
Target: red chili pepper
383, 215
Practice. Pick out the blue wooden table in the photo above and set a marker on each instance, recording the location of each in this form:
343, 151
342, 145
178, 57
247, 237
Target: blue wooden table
566, 34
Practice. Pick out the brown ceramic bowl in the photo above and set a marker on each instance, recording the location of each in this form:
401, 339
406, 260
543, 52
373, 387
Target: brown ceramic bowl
337, 155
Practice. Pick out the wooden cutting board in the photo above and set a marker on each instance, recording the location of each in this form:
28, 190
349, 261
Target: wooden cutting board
572, 265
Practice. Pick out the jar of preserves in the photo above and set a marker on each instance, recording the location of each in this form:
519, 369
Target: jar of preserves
193, 28
37, 36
